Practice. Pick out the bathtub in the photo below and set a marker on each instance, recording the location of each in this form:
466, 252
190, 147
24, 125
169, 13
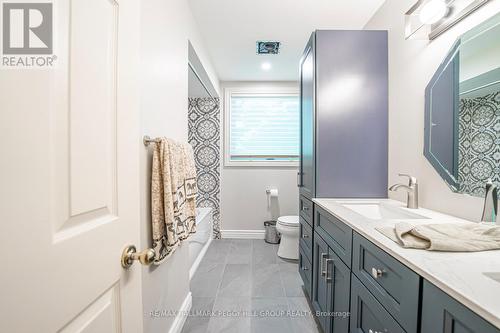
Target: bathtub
200, 241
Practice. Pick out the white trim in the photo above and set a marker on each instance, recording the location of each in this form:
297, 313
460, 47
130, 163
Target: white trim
182, 315
243, 234
200, 256
267, 90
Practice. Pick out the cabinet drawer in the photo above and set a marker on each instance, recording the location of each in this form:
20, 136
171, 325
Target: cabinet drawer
443, 314
367, 314
336, 233
306, 237
306, 209
305, 271
393, 284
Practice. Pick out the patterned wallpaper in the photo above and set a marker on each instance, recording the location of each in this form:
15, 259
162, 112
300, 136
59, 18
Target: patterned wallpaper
479, 143
204, 136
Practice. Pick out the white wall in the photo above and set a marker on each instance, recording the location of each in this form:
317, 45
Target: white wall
411, 66
243, 189
166, 27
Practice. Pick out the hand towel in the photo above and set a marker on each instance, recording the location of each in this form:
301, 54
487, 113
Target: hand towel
173, 196
450, 237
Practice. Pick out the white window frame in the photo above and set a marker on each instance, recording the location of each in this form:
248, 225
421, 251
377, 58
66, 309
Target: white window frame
252, 91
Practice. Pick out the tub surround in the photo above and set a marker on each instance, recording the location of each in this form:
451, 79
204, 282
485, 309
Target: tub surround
467, 277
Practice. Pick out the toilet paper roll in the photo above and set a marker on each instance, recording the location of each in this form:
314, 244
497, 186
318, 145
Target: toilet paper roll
273, 192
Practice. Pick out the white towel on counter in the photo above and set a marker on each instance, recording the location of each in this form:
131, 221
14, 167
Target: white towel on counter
173, 196
449, 237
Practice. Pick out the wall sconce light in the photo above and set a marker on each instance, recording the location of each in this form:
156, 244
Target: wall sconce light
427, 19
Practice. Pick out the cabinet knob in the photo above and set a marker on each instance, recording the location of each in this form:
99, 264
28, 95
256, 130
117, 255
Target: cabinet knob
376, 273
305, 208
304, 268
305, 236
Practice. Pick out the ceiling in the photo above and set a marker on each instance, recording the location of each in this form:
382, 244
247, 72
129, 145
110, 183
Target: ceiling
230, 29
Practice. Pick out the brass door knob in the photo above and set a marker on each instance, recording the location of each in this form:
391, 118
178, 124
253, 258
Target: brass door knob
130, 254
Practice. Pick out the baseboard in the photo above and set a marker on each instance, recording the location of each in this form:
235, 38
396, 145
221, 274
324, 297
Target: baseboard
200, 256
243, 234
182, 315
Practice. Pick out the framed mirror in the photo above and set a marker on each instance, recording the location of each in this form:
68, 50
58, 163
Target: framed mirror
462, 111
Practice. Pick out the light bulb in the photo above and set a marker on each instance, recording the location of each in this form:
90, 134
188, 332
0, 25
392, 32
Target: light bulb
266, 66
433, 11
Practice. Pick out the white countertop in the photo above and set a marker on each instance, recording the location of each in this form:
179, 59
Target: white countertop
458, 274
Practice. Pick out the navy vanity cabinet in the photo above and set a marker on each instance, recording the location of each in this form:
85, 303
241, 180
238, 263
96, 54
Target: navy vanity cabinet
331, 288
367, 314
319, 297
305, 271
306, 209
344, 130
395, 286
443, 314
336, 233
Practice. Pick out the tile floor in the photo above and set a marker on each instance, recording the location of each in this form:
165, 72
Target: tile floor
246, 287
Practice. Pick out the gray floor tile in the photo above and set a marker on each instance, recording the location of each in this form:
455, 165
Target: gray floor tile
199, 316
240, 252
207, 279
236, 281
264, 253
231, 314
292, 282
271, 315
266, 281
217, 251
302, 318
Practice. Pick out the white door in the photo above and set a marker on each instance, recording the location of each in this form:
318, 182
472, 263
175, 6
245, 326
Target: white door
69, 168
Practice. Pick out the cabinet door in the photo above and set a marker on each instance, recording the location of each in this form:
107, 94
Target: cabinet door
305, 271
368, 315
306, 173
443, 314
320, 293
338, 278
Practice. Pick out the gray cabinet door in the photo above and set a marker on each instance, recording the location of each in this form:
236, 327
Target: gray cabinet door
443, 314
368, 315
306, 173
305, 271
320, 297
338, 278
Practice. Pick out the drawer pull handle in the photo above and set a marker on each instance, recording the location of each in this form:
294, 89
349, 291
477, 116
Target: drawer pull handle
305, 236
376, 273
328, 278
323, 257
304, 268
373, 331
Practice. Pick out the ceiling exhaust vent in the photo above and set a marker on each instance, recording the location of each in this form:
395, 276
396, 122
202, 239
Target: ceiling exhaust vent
268, 47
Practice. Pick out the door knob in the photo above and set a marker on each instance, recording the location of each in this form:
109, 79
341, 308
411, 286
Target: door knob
130, 254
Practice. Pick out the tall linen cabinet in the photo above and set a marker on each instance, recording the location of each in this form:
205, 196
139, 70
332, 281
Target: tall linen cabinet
344, 144
344, 104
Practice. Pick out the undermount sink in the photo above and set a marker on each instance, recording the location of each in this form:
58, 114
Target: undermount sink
493, 275
381, 211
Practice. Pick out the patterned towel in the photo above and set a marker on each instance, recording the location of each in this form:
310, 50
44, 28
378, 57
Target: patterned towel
173, 196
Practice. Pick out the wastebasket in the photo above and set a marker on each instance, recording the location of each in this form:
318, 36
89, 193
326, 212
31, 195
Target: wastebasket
272, 235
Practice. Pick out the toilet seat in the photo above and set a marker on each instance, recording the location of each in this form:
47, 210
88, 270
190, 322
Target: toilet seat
289, 221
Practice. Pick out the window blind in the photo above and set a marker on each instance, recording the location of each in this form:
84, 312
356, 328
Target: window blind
264, 127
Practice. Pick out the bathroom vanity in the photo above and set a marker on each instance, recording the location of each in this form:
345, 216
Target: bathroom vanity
348, 266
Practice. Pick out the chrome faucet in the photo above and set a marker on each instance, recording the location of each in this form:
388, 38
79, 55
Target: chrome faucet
411, 189
490, 203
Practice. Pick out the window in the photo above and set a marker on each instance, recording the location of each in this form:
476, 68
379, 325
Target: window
262, 129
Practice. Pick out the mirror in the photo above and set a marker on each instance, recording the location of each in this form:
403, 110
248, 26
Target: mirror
462, 112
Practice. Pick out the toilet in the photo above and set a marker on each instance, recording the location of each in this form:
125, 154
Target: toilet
288, 227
